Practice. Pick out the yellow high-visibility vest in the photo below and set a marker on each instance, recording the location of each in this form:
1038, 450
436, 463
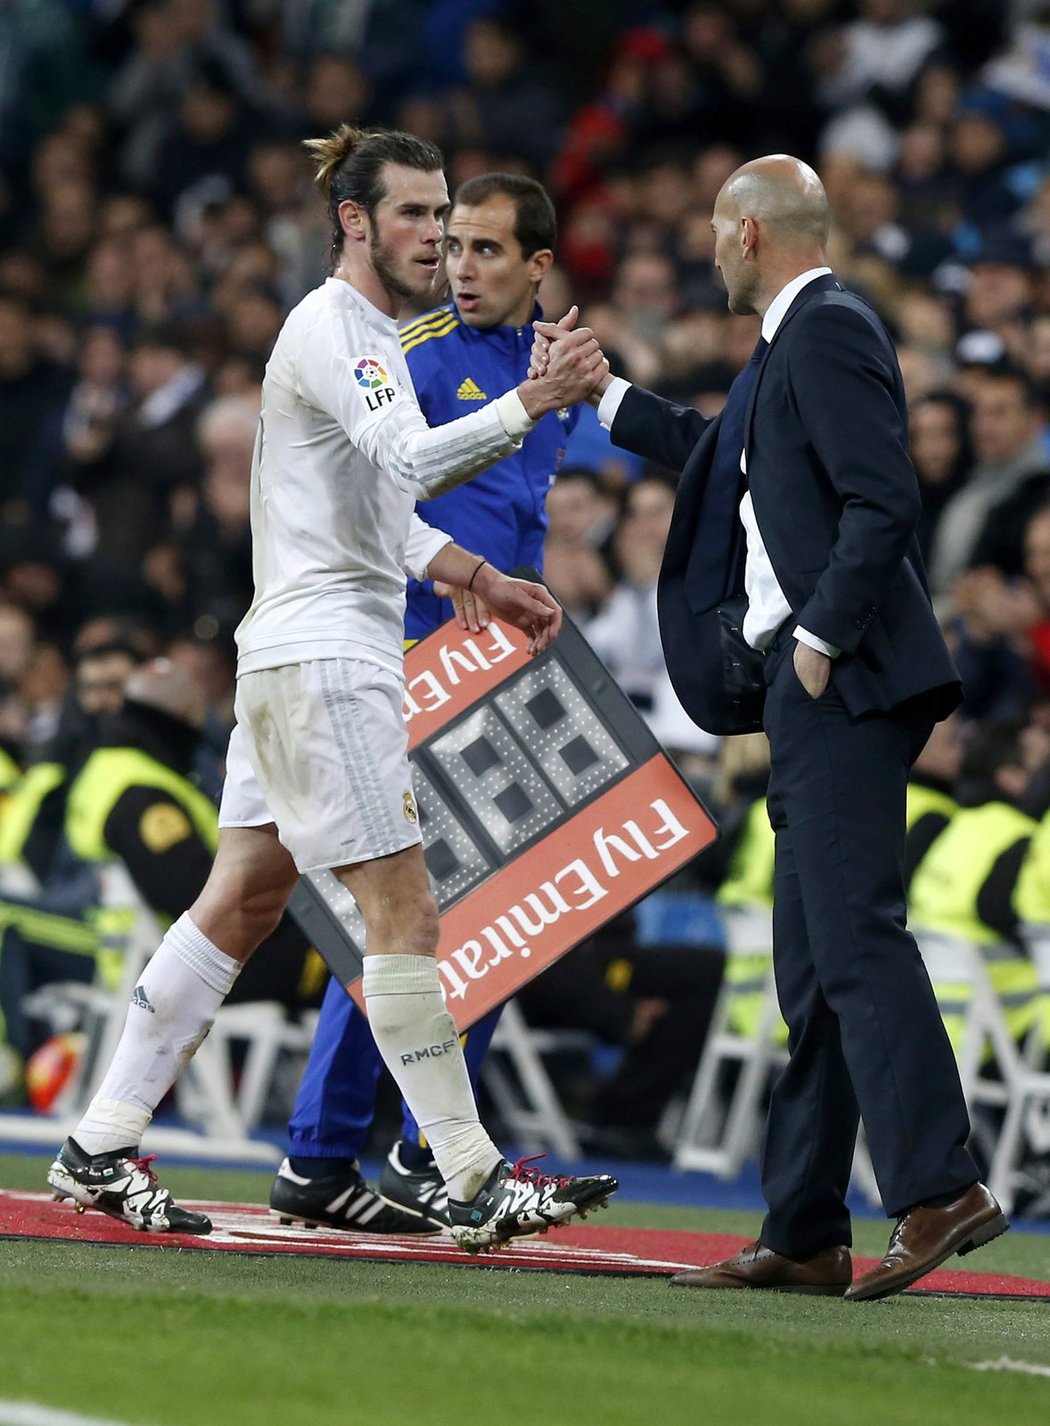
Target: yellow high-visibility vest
944, 897
95, 791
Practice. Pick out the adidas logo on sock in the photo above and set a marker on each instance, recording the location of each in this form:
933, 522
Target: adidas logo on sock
469, 390
141, 999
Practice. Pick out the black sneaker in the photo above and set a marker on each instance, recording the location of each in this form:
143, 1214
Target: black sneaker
124, 1186
339, 1200
515, 1200
418, 1191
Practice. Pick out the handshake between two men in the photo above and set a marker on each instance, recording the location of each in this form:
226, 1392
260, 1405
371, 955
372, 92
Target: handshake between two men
560, 345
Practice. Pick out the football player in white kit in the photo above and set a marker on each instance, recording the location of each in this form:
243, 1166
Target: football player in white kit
317, 771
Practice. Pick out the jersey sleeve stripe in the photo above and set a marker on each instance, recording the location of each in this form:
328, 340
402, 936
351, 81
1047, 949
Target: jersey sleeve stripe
447, 322
429, 319
410, 344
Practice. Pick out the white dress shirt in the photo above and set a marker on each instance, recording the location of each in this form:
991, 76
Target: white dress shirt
767, 606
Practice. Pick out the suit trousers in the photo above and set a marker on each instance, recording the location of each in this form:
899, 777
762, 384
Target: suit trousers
865, 1035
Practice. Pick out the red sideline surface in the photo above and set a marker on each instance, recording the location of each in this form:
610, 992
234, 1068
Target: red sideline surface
579, 1248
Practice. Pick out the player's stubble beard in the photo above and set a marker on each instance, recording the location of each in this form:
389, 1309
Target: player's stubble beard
397, 283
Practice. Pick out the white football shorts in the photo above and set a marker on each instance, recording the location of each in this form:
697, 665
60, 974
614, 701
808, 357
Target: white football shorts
321, 749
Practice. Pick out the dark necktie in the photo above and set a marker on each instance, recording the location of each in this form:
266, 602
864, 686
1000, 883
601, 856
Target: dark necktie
719, 542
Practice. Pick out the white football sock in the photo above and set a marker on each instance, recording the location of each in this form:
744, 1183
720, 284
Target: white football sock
171, 1011
419, 1042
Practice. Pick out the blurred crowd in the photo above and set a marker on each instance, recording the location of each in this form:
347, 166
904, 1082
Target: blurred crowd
158, 219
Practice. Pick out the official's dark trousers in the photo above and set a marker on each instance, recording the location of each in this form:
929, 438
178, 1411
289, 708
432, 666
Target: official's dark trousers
865, 1034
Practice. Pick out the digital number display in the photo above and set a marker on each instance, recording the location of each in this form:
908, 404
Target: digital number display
531, 778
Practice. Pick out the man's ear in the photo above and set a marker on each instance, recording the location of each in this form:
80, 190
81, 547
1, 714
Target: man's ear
748, 236
540, 263
353, 220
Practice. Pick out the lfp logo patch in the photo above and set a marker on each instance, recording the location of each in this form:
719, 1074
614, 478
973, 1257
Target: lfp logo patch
374, 385
370, 374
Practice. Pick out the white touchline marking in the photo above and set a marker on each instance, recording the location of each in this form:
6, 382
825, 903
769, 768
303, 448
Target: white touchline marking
29, 1413
1007, 1364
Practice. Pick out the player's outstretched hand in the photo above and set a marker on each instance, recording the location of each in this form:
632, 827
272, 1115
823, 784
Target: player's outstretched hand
528, 606
470, 609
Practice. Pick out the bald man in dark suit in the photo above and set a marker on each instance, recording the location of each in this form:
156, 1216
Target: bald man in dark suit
800, 501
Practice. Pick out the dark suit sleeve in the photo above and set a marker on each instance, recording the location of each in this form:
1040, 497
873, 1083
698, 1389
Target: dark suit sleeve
656, 429
845, 384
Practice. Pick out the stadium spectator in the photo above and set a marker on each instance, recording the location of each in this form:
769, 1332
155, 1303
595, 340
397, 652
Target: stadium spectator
32, 392
171, 38
335, 91
151, 454
506, 108
50, 896
1010, 464
941, 455
1036, 359
17, 641
581, 514
204, 152
1003, 633
215, 548
1000, 292
626, 633
882, 53
966, 883
931, 804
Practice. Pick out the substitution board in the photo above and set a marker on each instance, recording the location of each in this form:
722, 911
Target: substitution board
546, 807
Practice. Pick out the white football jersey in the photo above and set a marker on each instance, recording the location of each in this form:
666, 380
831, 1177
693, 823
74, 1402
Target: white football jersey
342, 455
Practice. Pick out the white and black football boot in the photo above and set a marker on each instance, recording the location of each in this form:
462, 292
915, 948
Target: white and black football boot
419, 1191
339, 1200
123, 1185
515, 1200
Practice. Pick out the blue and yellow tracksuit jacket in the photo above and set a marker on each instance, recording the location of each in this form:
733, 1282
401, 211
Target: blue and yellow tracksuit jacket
501, 512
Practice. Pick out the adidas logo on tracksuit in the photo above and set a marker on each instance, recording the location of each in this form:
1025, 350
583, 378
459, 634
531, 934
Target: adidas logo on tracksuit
469, 390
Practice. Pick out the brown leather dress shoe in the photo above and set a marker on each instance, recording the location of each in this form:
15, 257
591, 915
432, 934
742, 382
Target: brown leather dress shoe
924, 1237
824, 1274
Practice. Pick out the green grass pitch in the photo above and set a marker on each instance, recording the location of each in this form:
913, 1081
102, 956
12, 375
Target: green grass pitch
188, 1339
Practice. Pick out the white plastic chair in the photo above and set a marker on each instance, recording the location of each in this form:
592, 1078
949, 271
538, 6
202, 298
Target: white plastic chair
521, 1088
718, 1139
1026, 1125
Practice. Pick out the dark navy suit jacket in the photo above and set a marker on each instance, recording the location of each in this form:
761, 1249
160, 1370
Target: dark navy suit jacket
835, 497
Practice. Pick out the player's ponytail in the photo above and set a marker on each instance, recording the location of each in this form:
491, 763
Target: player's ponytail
328, 153
349, 163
